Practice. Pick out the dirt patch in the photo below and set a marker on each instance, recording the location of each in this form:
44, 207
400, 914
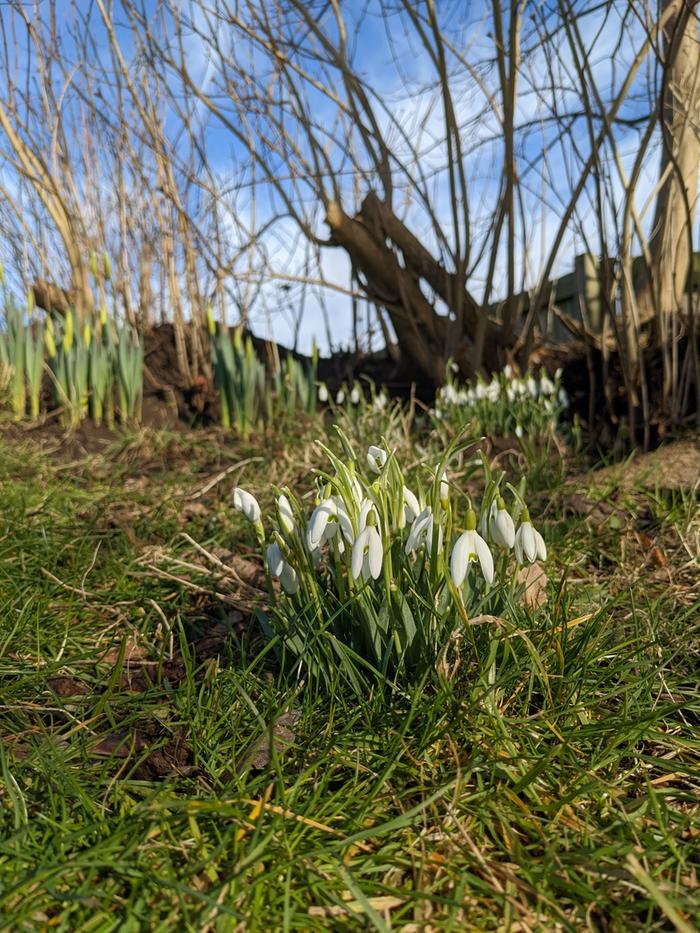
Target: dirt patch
673, 466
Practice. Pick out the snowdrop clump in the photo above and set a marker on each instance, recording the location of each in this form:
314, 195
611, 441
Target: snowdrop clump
377, 577
524, 406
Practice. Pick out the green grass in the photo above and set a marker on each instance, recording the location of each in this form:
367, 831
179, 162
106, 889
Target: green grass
549, 780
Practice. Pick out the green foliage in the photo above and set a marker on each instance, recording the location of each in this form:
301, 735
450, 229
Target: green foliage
250, 395
103, 361
87, 368
70, 369
374, 585
21, 356
129, 373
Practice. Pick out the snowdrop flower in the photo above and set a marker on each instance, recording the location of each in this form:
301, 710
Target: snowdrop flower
380, 401
317, 523
546, 385
498, 525
480, 391
444, 488
286, 516
411, 506
331, 531
518, 431
422, 532
529, 543
508, 371
558, 372
340, 397
493, 391
419, 530
376, 458
289, 579
323, 393
275, 560
282, 570
563, 398
367, 554
355, 396
247, 504
469, 548
532, 386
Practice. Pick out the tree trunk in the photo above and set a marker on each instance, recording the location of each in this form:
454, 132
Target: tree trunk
391, 263
670, 244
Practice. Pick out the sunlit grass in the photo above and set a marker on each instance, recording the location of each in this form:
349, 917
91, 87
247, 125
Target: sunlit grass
151, 781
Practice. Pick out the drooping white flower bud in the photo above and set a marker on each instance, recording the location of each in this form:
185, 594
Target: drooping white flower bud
501, 526
247, 504
286, 516
323, 393
444, 488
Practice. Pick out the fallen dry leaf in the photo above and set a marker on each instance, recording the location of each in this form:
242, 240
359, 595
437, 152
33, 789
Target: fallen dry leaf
133, 653
174, 756
643, 540
66, 686
278, 738
534, 579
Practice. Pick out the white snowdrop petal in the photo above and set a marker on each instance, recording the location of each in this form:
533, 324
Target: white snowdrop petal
504, 528
483, 552
529, 543
317, 523
419, 528
344, 521
289, 579
375, 552
358, 553
518, 546
275, 561
540, 546
411, 505
459, 561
